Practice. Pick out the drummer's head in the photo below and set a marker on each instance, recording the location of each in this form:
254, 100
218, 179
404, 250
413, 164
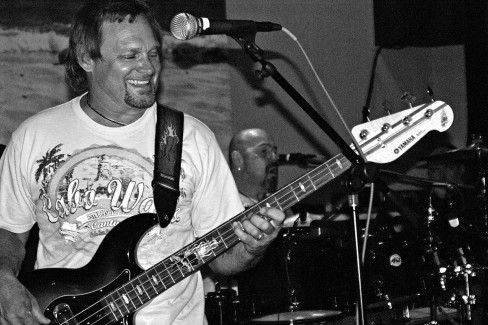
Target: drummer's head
253, 161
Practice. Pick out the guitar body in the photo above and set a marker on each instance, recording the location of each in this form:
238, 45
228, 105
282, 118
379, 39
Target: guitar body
62, 293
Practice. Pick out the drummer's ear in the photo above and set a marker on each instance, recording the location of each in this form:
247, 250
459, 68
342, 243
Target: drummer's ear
237, 160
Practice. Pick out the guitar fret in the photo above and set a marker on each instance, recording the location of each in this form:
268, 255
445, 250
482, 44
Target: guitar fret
229, 240
143, 287
114, 306
330, 170
111, 305
296, 197
150, 282
163, 275
128, 297
123, 301
160, 279
222, 239
169, 273
138, 291
312, 182
154, 278
188, 259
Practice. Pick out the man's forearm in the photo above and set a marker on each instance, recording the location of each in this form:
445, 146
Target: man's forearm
12, 251
235, 260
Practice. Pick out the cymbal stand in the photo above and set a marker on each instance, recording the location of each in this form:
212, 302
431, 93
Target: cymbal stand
432, 249
482, 202
353, 203
467, 298
292, 298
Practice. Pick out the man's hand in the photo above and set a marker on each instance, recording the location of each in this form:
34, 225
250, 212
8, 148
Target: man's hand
258, 231
17, 305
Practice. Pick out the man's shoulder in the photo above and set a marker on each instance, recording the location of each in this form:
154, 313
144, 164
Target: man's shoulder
46, 119
50, 113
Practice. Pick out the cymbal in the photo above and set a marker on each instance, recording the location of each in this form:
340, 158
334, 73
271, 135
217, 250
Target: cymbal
464, 154
299, 315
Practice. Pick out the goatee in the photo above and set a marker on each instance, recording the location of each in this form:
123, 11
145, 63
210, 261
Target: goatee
146, 101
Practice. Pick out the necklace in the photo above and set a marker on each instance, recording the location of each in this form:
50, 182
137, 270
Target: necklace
107, 118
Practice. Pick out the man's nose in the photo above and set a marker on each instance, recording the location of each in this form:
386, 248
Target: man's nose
146, 65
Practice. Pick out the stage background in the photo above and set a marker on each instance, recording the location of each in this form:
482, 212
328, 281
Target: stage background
32, 35
212, 78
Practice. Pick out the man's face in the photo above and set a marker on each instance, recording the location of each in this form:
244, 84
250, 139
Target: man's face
127, 75
260, 163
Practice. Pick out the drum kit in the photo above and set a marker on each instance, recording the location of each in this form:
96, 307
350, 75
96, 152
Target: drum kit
430, 271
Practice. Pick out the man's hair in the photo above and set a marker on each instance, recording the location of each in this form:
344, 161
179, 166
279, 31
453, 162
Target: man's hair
86, 33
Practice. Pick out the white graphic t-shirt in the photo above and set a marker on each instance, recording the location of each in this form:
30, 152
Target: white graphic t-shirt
78, 179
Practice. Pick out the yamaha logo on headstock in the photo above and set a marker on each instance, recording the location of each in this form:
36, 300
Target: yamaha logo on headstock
404, 144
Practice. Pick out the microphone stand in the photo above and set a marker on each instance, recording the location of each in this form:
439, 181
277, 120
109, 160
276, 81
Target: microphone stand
246, 40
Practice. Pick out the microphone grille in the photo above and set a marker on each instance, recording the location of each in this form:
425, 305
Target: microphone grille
184, 26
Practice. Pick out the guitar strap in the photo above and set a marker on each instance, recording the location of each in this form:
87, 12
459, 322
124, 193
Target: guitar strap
167, 162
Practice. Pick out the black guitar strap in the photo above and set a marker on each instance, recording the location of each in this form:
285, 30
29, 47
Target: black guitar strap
167, 162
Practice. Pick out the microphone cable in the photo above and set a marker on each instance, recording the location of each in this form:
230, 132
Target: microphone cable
356, 144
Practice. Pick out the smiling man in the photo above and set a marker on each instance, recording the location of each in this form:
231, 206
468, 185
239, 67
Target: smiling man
81, 168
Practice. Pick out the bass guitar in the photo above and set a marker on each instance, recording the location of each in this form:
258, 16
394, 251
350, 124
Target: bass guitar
112, 287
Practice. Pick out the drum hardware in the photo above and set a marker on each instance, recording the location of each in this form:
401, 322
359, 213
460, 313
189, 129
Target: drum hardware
292, 299
458, 275
461, 297
288, 284
222, 306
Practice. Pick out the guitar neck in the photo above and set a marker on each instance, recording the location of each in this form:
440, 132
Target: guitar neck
382, 140
152, 282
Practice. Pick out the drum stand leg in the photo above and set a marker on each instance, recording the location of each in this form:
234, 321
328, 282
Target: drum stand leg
433, 310
292, 299
360, 314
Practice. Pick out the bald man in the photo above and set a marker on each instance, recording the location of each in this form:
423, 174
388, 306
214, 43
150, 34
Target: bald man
254, 164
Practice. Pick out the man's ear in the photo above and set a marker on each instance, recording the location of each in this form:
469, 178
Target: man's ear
237, 159
85, 61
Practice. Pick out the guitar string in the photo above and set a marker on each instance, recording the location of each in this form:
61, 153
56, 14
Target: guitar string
394, 135
421, 120
145, 282
224, 234
228, 234
232, 234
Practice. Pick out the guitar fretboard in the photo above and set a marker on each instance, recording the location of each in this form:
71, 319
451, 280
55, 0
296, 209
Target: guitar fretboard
152, 282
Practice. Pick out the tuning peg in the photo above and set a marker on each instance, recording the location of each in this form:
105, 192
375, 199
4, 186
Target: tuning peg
387, 107
408, 98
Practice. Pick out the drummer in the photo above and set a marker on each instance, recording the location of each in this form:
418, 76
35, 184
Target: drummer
253, 161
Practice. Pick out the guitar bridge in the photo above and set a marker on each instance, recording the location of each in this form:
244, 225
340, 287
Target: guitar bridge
63, 315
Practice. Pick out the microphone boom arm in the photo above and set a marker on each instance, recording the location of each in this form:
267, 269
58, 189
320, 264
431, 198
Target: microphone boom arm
268, 69
246, 40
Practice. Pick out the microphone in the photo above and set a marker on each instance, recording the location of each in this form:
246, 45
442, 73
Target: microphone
294, 158
184, 26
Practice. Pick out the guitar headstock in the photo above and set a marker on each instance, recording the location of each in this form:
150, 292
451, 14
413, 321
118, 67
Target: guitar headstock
385, 139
